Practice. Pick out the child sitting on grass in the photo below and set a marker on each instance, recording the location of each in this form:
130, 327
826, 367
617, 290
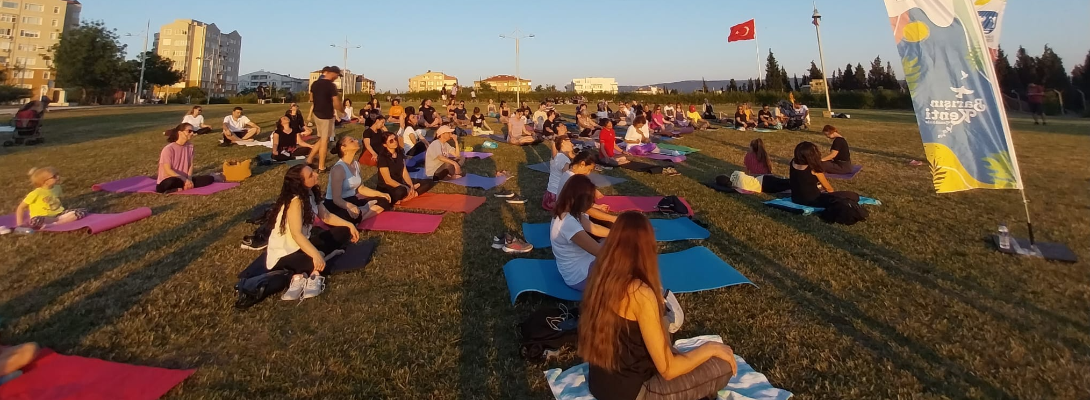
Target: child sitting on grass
44, 202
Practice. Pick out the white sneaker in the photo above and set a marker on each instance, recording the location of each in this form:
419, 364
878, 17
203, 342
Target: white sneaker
315, 286
4, 230
295, 289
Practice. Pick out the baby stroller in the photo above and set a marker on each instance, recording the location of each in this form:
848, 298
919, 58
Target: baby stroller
795, 120
25, 128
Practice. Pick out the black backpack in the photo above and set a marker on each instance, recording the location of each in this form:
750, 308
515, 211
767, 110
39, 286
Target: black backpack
844, 211
673, 205
548, 329
256, 288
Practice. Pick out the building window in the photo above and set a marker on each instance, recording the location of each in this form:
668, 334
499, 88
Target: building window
46, 75
53, 35
179, 53
168, 31
8, 17
55, 23
34, 7
56, 10
180, 42
27, 47
167, 42
32, 20
10, 4
5, 32
30, 34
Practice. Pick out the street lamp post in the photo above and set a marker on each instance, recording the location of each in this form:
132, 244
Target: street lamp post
143, 63
821, 56
344, 86
517, 35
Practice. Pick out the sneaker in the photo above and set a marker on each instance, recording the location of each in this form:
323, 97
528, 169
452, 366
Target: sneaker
499, 241
517, 246
516, 199
4, 230
295, 289
254, 242
504, 194
315, 286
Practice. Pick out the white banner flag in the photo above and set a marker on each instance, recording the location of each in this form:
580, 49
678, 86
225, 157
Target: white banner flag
991, 18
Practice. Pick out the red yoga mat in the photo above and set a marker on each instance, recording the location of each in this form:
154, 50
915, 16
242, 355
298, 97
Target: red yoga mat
444, 202
93, 223
54, 377
636, 203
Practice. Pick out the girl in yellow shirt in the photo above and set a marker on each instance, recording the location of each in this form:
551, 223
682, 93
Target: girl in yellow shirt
44, 203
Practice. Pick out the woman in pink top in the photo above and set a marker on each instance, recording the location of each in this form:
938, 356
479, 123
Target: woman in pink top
756, 160
176, 163
658, 122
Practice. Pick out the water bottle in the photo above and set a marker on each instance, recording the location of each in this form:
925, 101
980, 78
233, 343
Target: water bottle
1004, 237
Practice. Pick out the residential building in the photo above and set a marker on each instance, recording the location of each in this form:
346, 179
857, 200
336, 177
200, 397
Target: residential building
272, 80
28, 30
592, 85
360, 83
431, 81
505, 83
207, 57
648, 90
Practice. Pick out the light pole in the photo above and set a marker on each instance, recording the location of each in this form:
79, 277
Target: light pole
821, 56
517, 35
143, 63
344, 86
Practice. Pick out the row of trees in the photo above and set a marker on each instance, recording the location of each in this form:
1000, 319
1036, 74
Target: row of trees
1047, 70
776, 78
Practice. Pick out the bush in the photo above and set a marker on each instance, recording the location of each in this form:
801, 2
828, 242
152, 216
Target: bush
220, 100
250, 98
10, 93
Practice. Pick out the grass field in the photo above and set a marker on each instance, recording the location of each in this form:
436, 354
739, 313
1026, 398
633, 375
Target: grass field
912, 303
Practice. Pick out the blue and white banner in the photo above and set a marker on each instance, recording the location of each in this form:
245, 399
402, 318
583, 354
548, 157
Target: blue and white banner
991, 19
955, 94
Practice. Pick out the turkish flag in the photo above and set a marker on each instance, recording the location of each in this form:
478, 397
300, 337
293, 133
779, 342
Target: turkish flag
743, 31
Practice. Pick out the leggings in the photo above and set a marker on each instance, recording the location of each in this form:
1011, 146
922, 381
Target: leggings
417, 148
826, 199
837, 167
299, 151
360, 203
175, 183
73, 214
396, 193
203, 131
443, 172
702, 382
326, 241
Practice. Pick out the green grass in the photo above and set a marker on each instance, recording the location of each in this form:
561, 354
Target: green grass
910, 304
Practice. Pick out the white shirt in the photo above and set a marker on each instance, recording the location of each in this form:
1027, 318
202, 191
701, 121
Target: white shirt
572, 261
350, 184
539, 119
436, 149
348, 110
236, 125
195, 122
564, 179
408, 138
557, 166
638, 135
282, 244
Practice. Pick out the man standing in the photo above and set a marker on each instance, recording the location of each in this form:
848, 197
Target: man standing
326, 106
454, 92
1036, 97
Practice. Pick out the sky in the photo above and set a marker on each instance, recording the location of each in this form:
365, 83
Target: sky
638, 42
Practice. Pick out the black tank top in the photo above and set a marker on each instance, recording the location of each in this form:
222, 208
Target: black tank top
286, 141
635, 367
804, 186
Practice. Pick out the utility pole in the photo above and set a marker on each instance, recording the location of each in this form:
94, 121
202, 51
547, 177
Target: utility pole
517, 35
821, 56
344, 83
143, 64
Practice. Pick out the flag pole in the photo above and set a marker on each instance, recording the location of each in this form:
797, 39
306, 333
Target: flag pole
821, 56
758, 46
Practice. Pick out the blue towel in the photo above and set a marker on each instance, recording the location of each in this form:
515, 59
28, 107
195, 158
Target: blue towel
688, 271
666, 230
787, 205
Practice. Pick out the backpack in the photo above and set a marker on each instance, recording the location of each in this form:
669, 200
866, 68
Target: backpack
256, 288
547, 330
674, 205
844, 211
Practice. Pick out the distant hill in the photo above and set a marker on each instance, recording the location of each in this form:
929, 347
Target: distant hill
686, 86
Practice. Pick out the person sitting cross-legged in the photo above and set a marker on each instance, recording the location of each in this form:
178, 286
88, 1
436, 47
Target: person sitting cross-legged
346, 196
766, 120
237, 128
195, 119
176, 163
443, 161
480, 126
839, 160
572, 232
741, 120
393, 178
286, 141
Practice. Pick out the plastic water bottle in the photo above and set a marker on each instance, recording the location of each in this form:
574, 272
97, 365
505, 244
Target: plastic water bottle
1004, 237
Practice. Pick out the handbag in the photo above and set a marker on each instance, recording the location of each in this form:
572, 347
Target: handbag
236, 171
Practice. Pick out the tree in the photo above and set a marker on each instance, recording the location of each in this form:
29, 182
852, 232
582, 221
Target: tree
1050, 69
785, 79
891, 78
705, 84
798, 84
733, 86
815, 72
539, 88
861, 77
158, 71
877, 76
486, 88
90, 57
1008, 79
773, 79
1025, 68
847, 80
9, 93
1080, 76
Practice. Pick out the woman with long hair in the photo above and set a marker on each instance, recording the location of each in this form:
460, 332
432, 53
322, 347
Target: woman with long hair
393, 178
623, 336
294, 244
572, 232
349, 113
505, 112
345, 195
807, 172
371, 137
756, 160
196, 120
176, 163
413, 139
375, 106
493, 112
658, 121
297, 121
286, 142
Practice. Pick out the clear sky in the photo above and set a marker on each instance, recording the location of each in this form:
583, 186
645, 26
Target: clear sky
638, 42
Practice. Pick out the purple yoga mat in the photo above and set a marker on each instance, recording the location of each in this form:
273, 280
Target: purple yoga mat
664, 157
482, 182
855, 170
143, 184
94, 223
476, 154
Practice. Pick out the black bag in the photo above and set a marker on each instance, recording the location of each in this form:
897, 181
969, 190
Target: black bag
844, 211
256, 288
673, 205
548, 329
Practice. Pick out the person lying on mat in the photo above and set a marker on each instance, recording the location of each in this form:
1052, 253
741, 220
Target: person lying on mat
286, 142
237, 127
493, 111
393, 178
195, 119
294, 244
807, 172
296, 120
587, 127
638, 138
839, 160
14, 358
696, 121
766, 120
43, 204
741, 119
371, 137
709, 112
345, 195
518, 132
572, 232
608, 150
443, 161
396, 110
583, 164
176, 163
557, 167
480, 126
413, 140
622, 331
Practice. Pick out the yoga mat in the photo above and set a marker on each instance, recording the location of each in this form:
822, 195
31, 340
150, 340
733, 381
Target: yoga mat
415, 160
93, 223
728, 189
747, 383
855, 171
498, 138
54, 376
680, 149
787, 205
418, 173
472, 180
355, 257
636, 203
763, 130
599, 180
254, 143
143, 184
476, 154
666, 230
444, 202
688, 271
663, 157
395, 221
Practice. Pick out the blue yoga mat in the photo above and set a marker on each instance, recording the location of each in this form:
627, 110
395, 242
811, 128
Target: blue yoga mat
688, 271
482, 182
666, 230
787, 205
599, 180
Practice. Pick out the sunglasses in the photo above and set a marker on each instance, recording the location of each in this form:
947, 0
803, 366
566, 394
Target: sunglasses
391, 141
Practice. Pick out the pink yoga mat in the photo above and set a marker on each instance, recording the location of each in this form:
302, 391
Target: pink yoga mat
397, 221
636, 203
94, 223
476, 154
143, 184
54, 377
444, 202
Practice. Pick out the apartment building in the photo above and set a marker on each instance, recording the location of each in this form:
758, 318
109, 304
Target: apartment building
28, 30
505, 83
648, 90
272, 80
592, 85
359, 84
207, 57
432, 81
